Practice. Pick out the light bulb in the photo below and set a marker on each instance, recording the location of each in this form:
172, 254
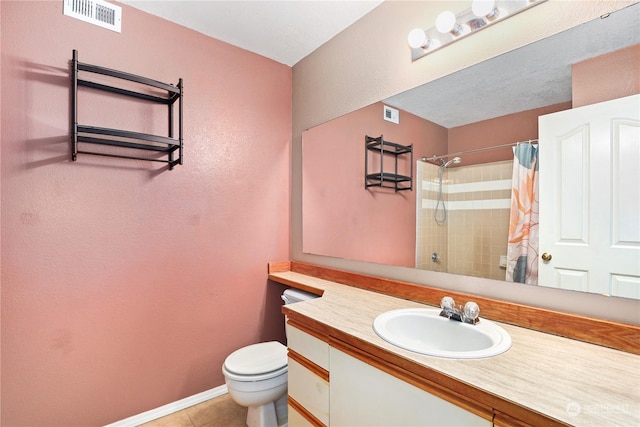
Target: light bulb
418, 39
446, 23
485, 9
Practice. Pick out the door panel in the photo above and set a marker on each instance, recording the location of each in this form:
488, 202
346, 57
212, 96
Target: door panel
590, 198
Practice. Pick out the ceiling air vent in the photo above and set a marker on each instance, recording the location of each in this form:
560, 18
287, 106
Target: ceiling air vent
97, 12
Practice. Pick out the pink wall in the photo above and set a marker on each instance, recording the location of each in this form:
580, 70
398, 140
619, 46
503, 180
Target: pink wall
124, 285
606, 77
521, 126
379, 224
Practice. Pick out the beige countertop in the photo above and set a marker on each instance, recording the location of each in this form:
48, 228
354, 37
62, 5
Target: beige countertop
571, 381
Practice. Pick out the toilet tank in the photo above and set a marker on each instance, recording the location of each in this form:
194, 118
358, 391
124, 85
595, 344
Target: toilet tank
291, 296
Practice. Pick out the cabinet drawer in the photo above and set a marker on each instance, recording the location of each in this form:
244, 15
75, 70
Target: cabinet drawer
297, 420
307, 345
309, 390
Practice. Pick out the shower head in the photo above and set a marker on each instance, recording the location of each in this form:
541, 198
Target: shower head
455, 160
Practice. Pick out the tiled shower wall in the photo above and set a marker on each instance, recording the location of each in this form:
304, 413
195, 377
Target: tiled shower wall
431, 237
474, 236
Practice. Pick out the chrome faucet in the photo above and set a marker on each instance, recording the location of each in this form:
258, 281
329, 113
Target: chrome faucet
468, 314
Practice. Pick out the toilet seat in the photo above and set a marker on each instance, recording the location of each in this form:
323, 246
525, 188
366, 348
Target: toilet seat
256, 362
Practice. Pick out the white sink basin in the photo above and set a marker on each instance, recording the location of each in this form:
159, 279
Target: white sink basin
424, 331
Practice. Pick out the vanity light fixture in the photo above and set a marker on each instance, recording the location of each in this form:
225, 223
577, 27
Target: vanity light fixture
451, 27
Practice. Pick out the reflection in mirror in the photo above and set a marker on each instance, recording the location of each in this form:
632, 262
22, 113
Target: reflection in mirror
494, 103
463, 218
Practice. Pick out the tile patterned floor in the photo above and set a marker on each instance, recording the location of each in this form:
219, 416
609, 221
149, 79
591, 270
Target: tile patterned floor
218, 412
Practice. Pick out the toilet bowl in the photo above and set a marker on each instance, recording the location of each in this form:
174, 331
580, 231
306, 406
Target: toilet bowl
256, 377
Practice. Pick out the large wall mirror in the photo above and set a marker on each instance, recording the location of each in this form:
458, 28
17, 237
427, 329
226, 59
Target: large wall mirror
457, 218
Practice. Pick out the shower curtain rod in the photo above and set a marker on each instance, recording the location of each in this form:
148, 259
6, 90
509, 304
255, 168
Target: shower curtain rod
459, 153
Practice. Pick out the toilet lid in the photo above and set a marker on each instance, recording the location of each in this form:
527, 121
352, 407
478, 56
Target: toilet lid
257, 358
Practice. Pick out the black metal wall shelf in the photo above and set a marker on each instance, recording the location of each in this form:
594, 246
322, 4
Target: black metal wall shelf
387, 179
158, 92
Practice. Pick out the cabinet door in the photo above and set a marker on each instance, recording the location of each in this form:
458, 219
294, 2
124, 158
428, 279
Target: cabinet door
362, 395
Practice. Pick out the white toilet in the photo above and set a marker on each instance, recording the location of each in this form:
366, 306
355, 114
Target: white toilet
256, 376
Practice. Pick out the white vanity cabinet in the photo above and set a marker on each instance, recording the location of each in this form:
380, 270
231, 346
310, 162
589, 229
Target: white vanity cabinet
357, 393
364, 395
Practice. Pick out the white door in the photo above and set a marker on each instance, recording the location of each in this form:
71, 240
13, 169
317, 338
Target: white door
590, 198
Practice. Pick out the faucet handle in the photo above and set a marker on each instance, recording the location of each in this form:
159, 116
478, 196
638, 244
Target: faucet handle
447, 304
471, 311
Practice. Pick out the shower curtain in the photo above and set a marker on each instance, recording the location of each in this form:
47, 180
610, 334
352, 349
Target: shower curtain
522, 248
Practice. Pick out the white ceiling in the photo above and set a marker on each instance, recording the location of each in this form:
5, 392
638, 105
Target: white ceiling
285, 31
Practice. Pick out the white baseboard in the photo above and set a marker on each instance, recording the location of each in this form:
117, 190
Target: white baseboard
170, 408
